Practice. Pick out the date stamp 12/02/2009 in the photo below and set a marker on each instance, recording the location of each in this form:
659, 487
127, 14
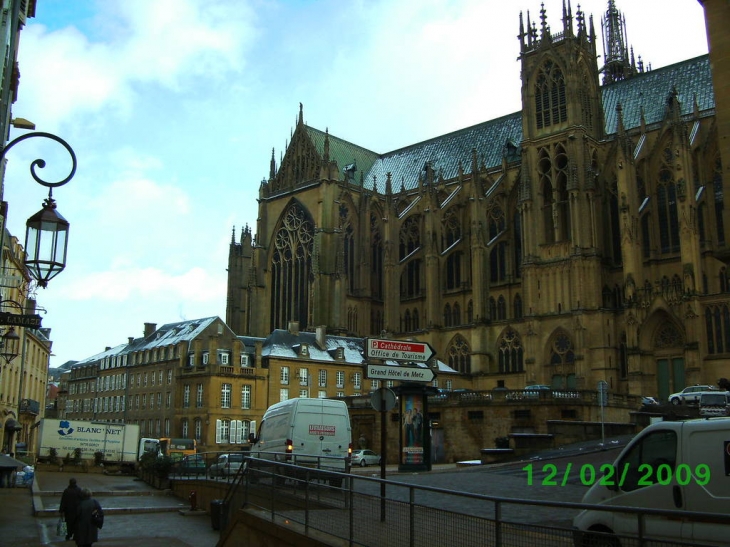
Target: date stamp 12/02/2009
609, 475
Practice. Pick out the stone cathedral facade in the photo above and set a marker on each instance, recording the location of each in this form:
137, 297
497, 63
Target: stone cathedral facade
583, 238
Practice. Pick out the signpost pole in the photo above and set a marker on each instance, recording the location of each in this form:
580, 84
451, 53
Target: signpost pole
383, 456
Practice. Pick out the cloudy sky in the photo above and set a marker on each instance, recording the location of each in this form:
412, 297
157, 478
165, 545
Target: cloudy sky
173, 108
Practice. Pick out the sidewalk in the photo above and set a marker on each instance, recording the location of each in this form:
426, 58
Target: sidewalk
135, 514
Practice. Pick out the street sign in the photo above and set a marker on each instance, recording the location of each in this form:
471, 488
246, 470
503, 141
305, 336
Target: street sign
17, 320
383, 399
400, 373
396, 350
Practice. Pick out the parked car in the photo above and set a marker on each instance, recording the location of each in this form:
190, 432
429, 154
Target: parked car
189, 465
365, 457
226, 465
648, 401
715, 403
689, 395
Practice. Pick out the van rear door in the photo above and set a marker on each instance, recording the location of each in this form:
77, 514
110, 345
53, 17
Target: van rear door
321, 430
707, 450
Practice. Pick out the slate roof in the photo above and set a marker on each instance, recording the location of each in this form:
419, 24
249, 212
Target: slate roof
344, 152
691, 78
282, 343
166, 335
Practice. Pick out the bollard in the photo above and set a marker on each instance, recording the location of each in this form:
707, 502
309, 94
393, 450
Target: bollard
193, 500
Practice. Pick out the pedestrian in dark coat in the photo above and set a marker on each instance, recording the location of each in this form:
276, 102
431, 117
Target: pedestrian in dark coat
86, 531
70, 500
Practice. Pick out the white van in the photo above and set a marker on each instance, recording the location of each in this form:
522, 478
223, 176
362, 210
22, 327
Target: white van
715, 403
680, 466
314, 433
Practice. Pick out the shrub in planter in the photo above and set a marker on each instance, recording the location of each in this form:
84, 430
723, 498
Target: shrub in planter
162, 466
98, 458
77, 456
52, 455
501, 442
67, 459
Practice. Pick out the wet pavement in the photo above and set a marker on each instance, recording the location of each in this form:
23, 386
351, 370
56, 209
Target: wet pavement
135, 514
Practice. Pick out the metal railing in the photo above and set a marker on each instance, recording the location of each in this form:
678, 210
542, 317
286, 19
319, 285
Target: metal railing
304, 500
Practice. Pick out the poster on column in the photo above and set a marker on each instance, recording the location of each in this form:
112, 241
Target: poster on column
412, 429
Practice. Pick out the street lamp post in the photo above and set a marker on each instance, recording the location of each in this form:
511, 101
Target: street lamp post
46, 236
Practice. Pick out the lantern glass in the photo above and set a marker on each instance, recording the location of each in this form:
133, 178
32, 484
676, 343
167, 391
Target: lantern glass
9, 345
46, 242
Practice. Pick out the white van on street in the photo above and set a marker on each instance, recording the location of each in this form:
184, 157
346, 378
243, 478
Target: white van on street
679, 466
715, 403
308, 432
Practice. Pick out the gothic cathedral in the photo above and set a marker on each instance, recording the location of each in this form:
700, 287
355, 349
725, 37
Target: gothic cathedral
583, 238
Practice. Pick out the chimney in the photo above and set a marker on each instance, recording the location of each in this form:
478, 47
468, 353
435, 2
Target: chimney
107, 348
294, 327
321, 336
149, 328
30, 306
130, 339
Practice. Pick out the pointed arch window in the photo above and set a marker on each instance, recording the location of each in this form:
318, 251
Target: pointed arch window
447, 315
550, 100
492, 308
517, 307
470, 312
511, 355
451, 229
456, 314
453, 270
719, 199
717, 324
667, 205
409, 243
349, 248
459, 355
291, 268
377, 272
501, 308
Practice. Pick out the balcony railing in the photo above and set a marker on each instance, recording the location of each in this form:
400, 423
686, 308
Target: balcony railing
29, 406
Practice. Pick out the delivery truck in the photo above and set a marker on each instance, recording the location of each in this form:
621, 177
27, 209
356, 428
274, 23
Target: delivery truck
118, 443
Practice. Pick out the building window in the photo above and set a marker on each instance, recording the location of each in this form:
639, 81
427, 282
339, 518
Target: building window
222, 431
246, 397
322, 394
224, 358
144, 401
159, 399
205, 358
186, 396
284, 394
304, 393
340, 378
374, 384
144, 383
152, 379
185, 428
199, 396
304, 377
667, 205
323, 378
550, 102
459, 355
226, 396
244, 360
284, 378
167, 427
510, 353
169, 377
291, 268
191, 359
357, 380
198, 428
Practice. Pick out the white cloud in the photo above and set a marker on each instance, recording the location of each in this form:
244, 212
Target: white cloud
148, 284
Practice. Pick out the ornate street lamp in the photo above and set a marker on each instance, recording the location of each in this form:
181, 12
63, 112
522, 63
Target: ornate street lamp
46, 236
9, 345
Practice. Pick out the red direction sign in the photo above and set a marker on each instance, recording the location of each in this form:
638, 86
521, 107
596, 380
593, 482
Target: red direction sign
396, 350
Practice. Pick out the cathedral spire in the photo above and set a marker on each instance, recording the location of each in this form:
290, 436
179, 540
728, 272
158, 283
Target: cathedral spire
272, 166
301, 114
326, 154
618, 65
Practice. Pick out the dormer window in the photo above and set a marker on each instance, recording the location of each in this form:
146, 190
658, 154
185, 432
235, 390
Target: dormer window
223, 358
191, 359
205, 358
244, 360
